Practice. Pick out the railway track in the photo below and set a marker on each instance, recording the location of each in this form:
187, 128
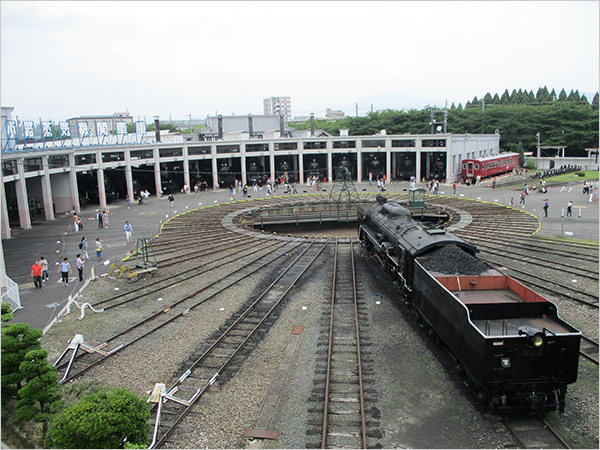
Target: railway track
343, 392
217, 358
85, 361
533, 432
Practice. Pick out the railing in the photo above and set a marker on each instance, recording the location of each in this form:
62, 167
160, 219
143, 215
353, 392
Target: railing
12, 296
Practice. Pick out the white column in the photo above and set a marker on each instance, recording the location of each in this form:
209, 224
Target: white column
359, 160
73, 184
47, 190
215, 169
243, 162
329, 161
301, 162
418, 149
101, 187
272, 159
129, 175
157, 177
5, 222
388, 160
186, 169
22, 198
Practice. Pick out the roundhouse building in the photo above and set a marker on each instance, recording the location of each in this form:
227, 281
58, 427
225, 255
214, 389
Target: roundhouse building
60, 176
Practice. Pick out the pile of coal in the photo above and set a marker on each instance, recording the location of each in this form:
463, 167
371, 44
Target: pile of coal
451, 259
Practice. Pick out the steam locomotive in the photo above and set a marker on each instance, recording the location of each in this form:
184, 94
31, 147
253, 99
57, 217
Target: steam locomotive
513, 347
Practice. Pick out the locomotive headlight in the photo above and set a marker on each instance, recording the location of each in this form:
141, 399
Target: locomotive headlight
535, 337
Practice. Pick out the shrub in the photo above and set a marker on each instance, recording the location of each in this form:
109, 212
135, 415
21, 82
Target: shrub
106, 419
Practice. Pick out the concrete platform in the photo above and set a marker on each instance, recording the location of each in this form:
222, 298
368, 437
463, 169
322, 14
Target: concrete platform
54, 241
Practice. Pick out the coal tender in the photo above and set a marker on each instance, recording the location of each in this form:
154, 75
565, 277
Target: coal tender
513, 347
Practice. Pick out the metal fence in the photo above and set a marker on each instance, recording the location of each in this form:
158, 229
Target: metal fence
12, 295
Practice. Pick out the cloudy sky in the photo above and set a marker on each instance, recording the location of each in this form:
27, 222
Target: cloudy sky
192, 59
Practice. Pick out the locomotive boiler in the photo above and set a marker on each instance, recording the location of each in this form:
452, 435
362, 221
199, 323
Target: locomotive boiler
513, 347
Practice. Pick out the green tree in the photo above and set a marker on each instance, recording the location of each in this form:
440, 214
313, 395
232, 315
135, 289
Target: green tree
164, 126
17, 341
40, 397
595, 102
521, 155
7, 312
105, 419
562, 97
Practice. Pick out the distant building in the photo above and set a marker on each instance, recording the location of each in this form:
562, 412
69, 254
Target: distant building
244, 127
92, 122
275, 106
332, 116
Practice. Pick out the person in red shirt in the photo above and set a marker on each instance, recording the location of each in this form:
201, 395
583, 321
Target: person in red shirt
36, 273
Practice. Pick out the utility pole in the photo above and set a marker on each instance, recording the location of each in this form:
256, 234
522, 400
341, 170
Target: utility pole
445, 116
357, 110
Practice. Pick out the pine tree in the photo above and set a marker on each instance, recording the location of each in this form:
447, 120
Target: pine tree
553, 95
514, 97
496, 100
505, 97
17, 341
595, 102
40, 397
562, 97
574, 96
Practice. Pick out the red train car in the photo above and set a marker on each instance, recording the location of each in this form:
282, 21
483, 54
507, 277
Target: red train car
489, 166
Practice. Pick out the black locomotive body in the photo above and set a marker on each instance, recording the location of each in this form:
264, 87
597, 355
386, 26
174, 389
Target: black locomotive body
512, 345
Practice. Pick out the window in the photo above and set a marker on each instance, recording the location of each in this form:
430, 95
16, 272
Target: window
285, 146
142, 154
476, 166
257, 148
373, 143
228, 148
403, 143
33, 164
84, 160
344, 144
315, 145
58, 161
170, 152
109, 157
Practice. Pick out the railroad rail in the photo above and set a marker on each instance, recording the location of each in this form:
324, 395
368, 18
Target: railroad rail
344, 421
533, 432
214, 360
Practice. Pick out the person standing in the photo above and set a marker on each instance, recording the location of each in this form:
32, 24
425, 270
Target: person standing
36, 274
99, 217
64, 269
75, 222
128, 230
294, 190
370, 178
171, 199
105, 217
99, 249
546, 205
80, 266
454, 188
83, 245
44, 264
245, 191
569, 208
128, 200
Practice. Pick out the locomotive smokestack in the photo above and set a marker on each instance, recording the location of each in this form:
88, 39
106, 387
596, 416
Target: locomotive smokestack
157, 128
220, 126
250, 126
312, 124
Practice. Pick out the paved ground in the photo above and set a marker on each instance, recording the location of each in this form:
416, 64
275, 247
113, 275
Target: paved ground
55, 240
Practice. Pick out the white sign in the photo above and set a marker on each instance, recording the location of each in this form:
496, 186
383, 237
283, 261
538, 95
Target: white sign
47, 129
102, 128
28, 129
121, 127
83, 129
11, 128
65, 129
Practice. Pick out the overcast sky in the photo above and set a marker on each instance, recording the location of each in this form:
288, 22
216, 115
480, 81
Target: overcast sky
176, 59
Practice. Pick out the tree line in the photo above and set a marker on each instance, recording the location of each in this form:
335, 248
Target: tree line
567, 120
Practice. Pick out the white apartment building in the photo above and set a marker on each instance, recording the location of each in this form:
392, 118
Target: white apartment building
275, 106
